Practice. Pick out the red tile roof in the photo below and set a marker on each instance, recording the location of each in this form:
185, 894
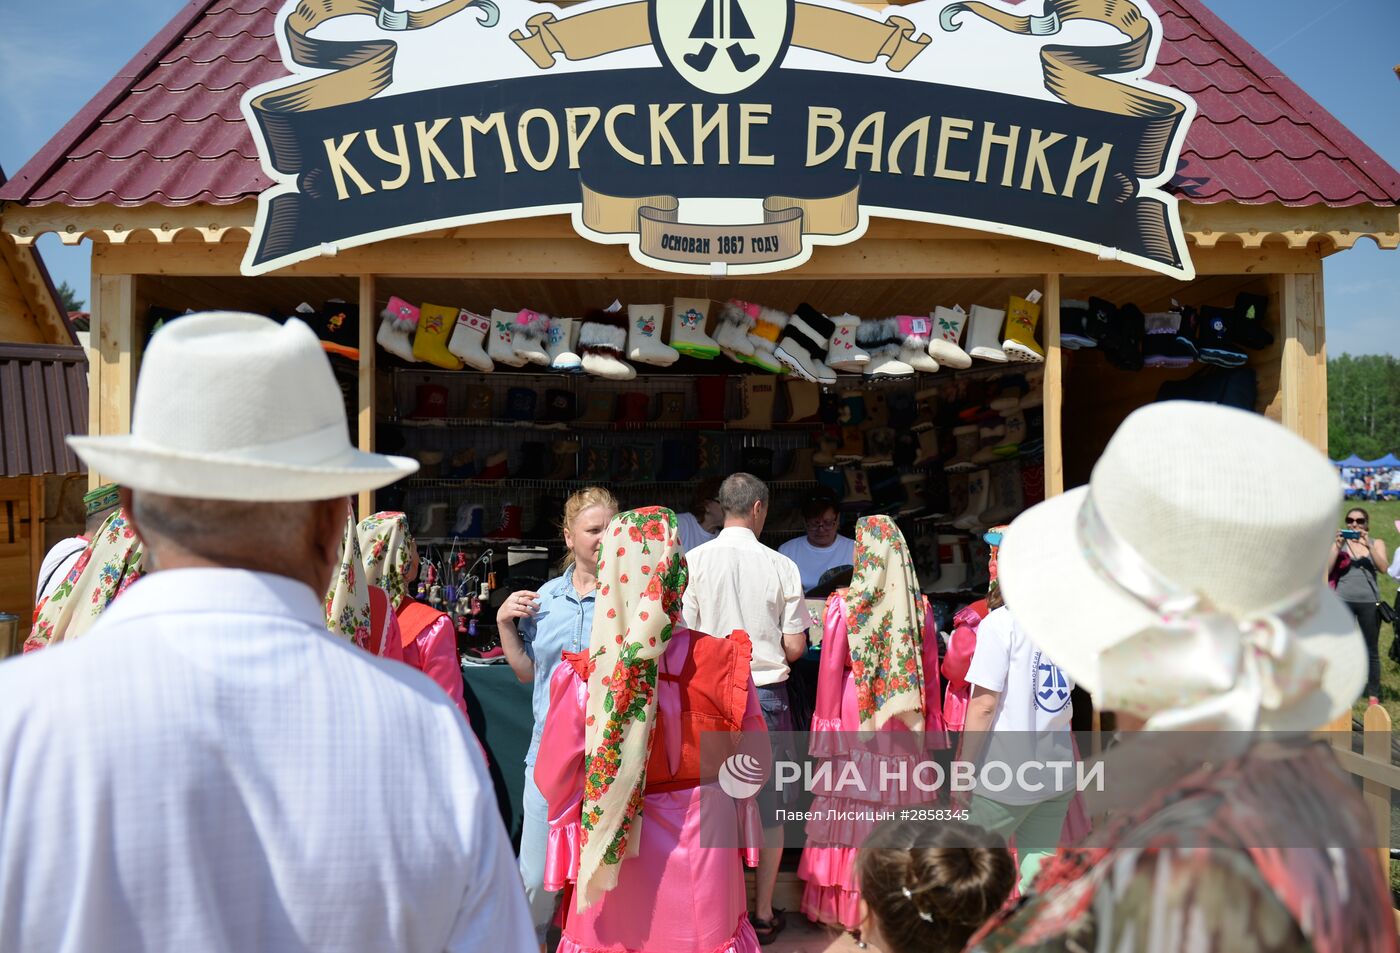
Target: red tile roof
167, 129
43, 399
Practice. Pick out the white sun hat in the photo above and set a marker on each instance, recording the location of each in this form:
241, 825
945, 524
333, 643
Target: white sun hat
1186, 583
237, 407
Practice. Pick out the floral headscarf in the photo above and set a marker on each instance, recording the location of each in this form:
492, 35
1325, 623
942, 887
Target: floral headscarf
641, 579
387, 548
347, 601
111, 563
885, 627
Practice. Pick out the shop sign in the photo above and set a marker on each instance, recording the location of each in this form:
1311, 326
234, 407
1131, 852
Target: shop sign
720, 136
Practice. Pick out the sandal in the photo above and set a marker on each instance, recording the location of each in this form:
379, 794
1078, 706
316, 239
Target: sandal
767, 930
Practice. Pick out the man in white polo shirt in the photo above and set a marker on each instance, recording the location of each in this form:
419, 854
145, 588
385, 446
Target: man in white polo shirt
736, 582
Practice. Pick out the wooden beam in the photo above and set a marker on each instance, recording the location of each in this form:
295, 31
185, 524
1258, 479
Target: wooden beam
1054, 389
94, 368
114, 339
369, 320
1375, 745
1304, 372
36, 531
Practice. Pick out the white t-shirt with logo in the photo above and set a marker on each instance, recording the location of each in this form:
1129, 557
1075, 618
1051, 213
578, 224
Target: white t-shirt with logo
1033, 715
813, 561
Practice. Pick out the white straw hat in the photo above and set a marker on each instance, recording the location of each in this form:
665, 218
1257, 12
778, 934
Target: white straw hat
236, 407
1186, 582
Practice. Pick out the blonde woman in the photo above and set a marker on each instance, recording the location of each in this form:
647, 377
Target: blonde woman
536, 629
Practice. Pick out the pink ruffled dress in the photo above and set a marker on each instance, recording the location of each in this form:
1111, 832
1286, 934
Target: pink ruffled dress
829, 859
684, 891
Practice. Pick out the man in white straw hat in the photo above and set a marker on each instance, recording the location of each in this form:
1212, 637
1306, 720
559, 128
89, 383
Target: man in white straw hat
1184, 593
210, 769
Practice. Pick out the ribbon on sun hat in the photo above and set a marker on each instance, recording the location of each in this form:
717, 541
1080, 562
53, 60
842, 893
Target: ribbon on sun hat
1198, 667
104, 497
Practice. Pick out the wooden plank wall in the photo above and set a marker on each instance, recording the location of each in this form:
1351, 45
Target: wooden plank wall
17, 564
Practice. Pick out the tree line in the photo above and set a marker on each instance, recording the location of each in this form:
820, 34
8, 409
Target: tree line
1363, 406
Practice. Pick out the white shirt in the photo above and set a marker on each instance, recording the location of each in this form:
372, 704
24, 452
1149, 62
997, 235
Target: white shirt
692, 533
209, 769
57, 564
813, 561
736, 582
1033, 714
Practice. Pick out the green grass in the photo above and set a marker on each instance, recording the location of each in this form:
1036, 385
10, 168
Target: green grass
1383, 517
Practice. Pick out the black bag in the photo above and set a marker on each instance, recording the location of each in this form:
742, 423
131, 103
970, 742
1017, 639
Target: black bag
1387, 612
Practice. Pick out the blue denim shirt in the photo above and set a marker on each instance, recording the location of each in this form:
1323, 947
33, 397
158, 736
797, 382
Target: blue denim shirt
562, 624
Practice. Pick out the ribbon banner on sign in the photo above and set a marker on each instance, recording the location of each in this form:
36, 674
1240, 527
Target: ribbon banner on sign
704, 132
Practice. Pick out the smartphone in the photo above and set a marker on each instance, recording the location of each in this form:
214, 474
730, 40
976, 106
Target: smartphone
1351, 534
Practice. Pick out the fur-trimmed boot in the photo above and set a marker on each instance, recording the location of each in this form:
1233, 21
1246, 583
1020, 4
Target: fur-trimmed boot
914, 332
530, 338
602, 341
880, 338
843, 354
804, 343
764, 336
732, 326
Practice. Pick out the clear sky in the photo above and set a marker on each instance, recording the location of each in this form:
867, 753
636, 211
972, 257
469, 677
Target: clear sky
53, 58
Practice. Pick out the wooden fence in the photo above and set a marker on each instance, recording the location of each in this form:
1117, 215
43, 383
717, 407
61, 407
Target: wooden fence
1375, 766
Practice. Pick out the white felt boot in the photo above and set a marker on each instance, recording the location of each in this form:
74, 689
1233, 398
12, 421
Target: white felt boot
400, 321
500, 344
688, 317
467, 339
561, 345
844, 354
803, 344
767, 330
530, 337
644, 323
948, 324
736, 319
914, 340
984, 334
602, 342
880, 338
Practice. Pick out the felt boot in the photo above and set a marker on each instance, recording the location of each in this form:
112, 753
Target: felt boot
832, 480
497, 467
429, 464
967, 446
757, 461
711, 392
804, 343
644, 324
844, 354
435, 324
978, 492
565, 460
857, 495
469, 520
1098, 319
914, 331
825, 455
1010, 390
877, 409
597, 408
915, 502
957, 494
801, 467
926, 410
1214, 340
509, 530
989, 438
522, 404
710, 454
468, 336
337, 325
500, 345
930, 448
633, 408
625, 465
431, 521
431, 402
530, 337
736, 319
1035, 390
398, 322
1160, 343
1008, 494
560, 408
953, 567
670, 407
880, 338
983, 334
481, 402
1123, 342
463, 465
1183, 349
1022, 316
948, 324
1250, 314
852, 447
879, 448
1073, 327
678, 461
925, 548
903, 411
688, 319
602, 340
767, 330
936, 495
645, 471
852, 412
595, 465
803, 399
1015, 428
759, 394
561, 346
1032, 484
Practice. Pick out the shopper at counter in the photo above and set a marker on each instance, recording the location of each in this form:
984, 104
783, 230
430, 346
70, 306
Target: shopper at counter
705, 518
536, 629
823, 547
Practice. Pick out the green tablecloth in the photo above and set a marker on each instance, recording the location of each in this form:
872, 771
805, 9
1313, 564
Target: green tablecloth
499, 708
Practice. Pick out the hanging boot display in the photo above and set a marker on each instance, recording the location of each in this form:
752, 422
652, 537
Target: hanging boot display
767, 330
736, 319
530, 337
879, 447
431, 402
561, 346
560, 408
978, 491
468, 336
710, 453
596, 461
644, 323
1074, 331
670, 407
688, 321
435, 324
880, 338
509, 530
497, 467
500, 346
469, 519
758, 394
1158, 348
1007, 497
803, 400
602, 340
914, 331
565, 460
1022, 316
984, 334
804, 343
857, 494
967, 445
597, 408
948, 324
844, 354
397, 324
480, 402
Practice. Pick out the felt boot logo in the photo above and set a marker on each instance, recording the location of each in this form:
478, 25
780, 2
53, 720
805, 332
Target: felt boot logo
721, 46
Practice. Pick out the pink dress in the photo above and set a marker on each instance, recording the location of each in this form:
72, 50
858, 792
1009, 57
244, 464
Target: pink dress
829, 859
677, 895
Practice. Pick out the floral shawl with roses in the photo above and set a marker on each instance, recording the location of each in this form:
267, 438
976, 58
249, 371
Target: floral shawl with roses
885, 628
386, 546
641, 579
110, 564
347, 601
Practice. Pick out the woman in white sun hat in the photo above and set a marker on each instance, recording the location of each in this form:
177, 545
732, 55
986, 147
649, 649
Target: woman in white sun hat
1185, 594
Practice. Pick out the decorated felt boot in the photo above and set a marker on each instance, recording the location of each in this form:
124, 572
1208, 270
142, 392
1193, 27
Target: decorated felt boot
565, 460
710, 454
983, 330
967, 445
857, 496
990, 436
930, 448
767, 330
852, 448
801, 467
927, 405
803, 399
481, 402
469, 520
670, 407
948, 324
879, 448
561, 346
1015, 434
1251, 314
500, 345
644, 323
759, 394
468, 336
844, 354
736, 319
601, 341
1023, 314
978, 492
595, 465
560, 408
530, 337
803, 344
852, 413
509, 530
827, 445
1159, 345
522, 404
688, 319
915, 500
435, 324
903, 410
497, 467
914, 333
398, 322
598, 407
431, 402
880, 338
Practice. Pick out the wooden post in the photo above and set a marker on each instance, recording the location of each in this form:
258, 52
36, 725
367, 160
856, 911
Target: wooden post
1375, 745
36, 529
94, 365
1054, 389
112, 358
369, 319
1303, 378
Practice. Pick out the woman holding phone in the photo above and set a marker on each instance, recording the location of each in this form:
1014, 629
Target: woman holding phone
1356, 559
